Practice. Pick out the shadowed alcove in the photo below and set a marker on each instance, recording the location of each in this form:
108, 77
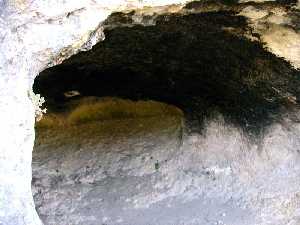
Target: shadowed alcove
198, 62
128, 120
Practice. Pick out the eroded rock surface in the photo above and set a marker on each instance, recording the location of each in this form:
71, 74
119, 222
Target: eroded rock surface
201, 62
37, 34
148, 171
105, 171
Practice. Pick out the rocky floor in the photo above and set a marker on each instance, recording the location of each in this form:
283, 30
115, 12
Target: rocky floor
147, 171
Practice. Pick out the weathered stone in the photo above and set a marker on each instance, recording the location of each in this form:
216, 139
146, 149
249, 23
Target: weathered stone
146, 171
37, 34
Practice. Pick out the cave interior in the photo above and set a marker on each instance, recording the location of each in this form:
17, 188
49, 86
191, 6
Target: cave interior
198, 66
200, 63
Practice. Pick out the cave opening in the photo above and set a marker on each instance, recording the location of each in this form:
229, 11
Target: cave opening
200, 63
139, 92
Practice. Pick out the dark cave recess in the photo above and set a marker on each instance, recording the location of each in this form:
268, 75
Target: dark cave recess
190, 61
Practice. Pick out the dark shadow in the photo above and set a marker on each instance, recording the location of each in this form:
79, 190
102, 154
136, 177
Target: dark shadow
190, 61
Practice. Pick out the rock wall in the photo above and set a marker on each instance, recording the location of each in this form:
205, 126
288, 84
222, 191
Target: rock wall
37, 34
134, 169
148, 171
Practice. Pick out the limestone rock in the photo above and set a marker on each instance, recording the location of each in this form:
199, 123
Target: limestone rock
37, 34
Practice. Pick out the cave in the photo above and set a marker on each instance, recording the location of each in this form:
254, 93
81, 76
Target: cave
160, 115
125, 111
196, 62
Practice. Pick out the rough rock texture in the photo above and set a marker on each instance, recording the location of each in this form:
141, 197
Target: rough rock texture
199, 62
103, 172
148, 172
237, 165
37, 34
34, 35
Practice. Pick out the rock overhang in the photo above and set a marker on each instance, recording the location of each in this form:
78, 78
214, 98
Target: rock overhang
200, 52
36, 35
